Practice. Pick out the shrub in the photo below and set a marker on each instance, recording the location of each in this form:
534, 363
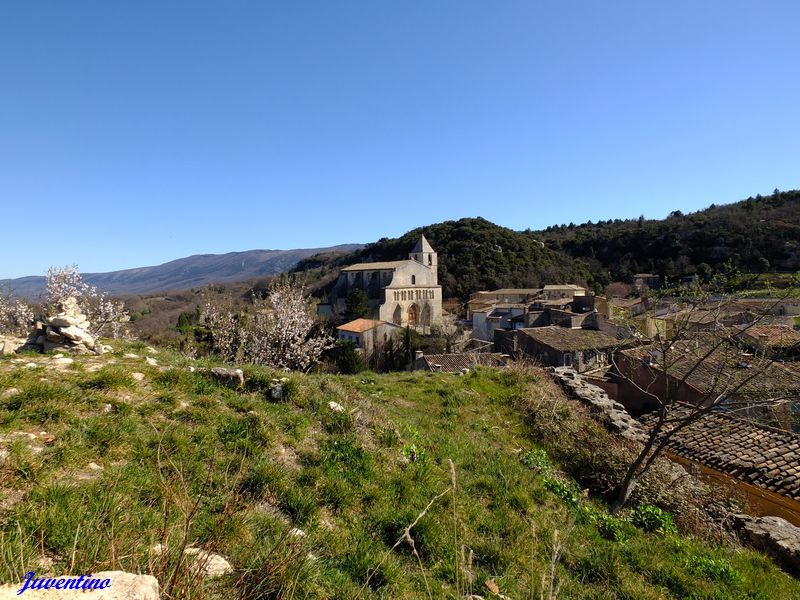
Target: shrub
653, 519
715, 569
536, 459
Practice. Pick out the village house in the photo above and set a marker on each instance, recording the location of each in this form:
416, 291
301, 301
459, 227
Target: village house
777, 342
562, 291
402, 292
725, 448
368, 335
553, 346
698, 373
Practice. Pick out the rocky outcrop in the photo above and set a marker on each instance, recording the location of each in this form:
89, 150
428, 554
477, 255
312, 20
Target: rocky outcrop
774, 536
10, 345
121, 586
611, 413
67, 331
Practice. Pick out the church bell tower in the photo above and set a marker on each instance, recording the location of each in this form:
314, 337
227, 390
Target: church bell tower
424, 253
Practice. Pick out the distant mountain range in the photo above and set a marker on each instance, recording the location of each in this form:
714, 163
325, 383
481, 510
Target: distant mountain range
186, 273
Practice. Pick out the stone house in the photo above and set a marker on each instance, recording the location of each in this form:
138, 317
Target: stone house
367, 335
562, 291
777, 342
402, 292
553, 346
696, 373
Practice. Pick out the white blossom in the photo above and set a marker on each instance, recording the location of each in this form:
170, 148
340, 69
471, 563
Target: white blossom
279, 331
105, 316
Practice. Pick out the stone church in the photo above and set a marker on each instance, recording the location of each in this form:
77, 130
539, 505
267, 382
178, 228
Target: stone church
403, 292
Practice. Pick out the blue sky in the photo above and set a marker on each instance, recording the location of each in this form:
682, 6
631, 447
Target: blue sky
136, 133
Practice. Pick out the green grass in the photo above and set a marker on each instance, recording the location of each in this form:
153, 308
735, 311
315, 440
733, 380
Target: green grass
237, 471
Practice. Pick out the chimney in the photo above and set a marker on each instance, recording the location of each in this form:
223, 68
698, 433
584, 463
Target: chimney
418, 354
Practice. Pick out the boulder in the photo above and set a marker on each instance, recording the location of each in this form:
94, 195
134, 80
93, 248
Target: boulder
233, 378
121, 586
773, 536
10, 345
64, 320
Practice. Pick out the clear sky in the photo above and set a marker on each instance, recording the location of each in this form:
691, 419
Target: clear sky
132, 133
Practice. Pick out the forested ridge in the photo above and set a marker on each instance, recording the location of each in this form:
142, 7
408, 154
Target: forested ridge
474, 254
756, 235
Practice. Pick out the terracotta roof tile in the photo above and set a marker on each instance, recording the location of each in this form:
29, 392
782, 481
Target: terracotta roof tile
453, 363
362, 325
565, 339
764, 456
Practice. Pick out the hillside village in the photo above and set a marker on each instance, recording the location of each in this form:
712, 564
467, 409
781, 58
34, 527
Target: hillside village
679, 384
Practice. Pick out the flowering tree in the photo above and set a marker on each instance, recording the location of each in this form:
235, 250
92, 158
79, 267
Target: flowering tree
279, 330
16, 316
105, 315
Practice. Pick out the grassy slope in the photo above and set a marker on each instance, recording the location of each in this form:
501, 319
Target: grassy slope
236, 472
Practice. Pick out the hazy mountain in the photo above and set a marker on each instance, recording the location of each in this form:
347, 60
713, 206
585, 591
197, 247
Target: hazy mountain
185, 273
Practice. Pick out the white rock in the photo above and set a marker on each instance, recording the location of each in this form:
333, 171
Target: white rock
122, 586
107, 408
297, 533
64, 320
31, 365
74, 333
335, 406
208, 564
151, 350
191, 369
151, 361
137, 376
59, 355
131, 355
9, 392
62, 361
93, 466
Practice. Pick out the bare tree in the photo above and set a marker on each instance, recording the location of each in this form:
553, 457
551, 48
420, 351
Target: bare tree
695, 366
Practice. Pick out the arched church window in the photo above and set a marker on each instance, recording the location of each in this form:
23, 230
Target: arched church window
413, 280
430, 259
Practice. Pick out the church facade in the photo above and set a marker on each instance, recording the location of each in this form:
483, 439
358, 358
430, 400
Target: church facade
403, 292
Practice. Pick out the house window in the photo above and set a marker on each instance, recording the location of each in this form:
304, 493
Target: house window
568, 360
413, 280
430, 259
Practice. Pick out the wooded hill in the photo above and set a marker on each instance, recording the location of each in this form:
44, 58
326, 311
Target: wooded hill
755, 235
474, 254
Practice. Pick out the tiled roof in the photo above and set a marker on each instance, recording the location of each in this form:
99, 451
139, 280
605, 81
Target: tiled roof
565, 339
725, 368
776, 338
453, 363
563, 286
376, 266
756, 454
512, 291
362, 325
